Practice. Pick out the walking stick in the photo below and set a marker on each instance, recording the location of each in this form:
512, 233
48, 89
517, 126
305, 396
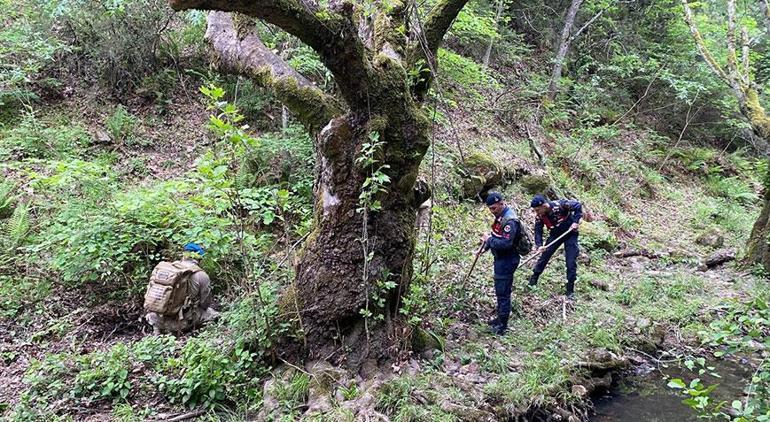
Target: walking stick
478, 254
547, 246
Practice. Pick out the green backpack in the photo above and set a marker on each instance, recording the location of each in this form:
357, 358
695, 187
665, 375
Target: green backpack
523, 241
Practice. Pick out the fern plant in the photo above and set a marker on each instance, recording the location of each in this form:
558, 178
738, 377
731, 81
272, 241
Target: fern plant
13, 232
7, 200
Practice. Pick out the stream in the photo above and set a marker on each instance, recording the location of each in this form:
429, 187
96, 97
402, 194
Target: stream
643, 394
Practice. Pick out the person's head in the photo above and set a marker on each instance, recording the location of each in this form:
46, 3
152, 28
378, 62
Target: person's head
540, 204
495, 203
193, 251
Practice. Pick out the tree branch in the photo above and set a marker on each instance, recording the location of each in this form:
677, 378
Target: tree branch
701, 45
438, 22
250, 57
331, 33
732, 57
429, 36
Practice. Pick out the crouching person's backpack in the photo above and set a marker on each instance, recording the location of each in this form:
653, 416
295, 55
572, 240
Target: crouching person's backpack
169, 289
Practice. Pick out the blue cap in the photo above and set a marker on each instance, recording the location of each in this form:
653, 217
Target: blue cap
194, 247
537, 201
493, 198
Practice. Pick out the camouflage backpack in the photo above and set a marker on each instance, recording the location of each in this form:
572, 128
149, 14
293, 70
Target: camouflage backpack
169, 287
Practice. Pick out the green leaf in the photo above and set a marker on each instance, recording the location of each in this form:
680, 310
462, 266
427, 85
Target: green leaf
677, 383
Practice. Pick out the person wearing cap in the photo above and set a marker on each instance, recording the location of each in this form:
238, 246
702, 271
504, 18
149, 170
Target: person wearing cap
558, 216
501, 241
199, 295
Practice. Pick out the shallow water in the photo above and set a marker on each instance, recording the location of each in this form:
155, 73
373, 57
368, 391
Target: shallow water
645, 396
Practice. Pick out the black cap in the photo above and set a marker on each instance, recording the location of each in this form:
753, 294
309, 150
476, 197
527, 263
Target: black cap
493, 198
537, 201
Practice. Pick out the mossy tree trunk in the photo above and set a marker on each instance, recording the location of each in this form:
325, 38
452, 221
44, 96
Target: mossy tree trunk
383, 64
737, 75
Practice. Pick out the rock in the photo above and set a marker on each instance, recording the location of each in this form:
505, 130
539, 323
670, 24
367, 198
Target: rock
424, 340
323, 379
720, 257
466, 413
535, 183
368, 369
579, 391
643, 323
599, 284
712, 239
481, 173
584, 259
638, 262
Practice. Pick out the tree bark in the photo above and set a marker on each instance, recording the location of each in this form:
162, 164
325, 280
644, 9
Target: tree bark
561, 54
488, 53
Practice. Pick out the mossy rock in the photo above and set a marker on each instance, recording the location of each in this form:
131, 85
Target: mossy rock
711, 238
424, 340
534, 183
481, 173
481, 164
472, 186
596, 235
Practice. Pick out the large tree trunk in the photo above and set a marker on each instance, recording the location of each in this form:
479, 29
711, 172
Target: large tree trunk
331, 287
758, 248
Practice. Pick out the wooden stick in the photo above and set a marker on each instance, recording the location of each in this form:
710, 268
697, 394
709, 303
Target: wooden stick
546, 246
478, 254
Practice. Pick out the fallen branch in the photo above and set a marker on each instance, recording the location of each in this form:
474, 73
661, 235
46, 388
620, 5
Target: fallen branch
637, 252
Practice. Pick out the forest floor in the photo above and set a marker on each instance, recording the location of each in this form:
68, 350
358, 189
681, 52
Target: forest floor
628, 311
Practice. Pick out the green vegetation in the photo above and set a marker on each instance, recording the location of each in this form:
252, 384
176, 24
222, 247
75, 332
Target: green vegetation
119, 144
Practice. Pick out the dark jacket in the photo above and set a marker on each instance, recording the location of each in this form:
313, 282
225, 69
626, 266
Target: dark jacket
564, 212
505, 228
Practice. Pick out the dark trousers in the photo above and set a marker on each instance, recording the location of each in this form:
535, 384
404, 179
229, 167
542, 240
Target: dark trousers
504, 269
571, 252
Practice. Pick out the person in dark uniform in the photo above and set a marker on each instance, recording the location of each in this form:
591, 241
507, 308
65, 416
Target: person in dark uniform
501, 241
558, 216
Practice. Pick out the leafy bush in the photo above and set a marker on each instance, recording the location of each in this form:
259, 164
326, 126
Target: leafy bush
104, 375
124, 40
128, 235
206, 374
732, 188
25, 50
31, 138
120, 124
463, 74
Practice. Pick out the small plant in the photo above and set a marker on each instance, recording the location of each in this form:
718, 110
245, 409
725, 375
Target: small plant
207, 375
104, 375
120, 124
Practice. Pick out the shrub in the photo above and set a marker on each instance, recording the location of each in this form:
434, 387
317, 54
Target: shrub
25, 50
208, 374
104, 375
124, 40
31, 138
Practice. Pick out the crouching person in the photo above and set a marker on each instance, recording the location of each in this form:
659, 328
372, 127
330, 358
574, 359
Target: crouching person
178, 296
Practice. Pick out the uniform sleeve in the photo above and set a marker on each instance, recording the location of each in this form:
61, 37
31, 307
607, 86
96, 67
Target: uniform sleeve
576, 208
538, 232
504, 242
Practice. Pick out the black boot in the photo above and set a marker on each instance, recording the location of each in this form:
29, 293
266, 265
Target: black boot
500, 328
533, 280
493, 322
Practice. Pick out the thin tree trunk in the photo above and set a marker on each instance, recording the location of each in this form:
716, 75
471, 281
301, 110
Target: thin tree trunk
763, 6
498, 13
561, 54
